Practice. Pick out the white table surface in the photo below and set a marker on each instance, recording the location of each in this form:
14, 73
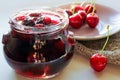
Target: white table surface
78, 69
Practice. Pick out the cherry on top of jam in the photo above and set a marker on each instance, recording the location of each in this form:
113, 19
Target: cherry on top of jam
54, 22
35, 14
39, 25
20, 18
47, 20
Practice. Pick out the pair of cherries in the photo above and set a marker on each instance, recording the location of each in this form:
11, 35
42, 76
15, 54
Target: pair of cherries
79, 15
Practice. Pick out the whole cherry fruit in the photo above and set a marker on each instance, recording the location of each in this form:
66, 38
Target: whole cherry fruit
75, 20
98, 62
92, 20
83, 14
69, 12
77, 8
89, 8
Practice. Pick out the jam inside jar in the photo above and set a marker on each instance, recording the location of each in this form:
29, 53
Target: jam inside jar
39, 44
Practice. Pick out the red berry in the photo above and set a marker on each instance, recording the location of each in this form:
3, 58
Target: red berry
69, 12
77, 8
20, 18
92, 20
34, 14
75, 20
89, 8
54, 22
47, 20
83, 14
39, 25
98, 62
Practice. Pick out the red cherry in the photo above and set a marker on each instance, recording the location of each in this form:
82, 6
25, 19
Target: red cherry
34, 14
75, 20
54, 22
92, 20
89, 8
39, 25
98, 62
47, 20
69, 12
77, 8
20, 18
83, 14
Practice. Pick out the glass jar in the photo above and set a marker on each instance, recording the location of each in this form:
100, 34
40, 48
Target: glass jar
39, 44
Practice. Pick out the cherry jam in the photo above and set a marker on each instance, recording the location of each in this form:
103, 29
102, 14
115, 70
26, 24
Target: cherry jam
39, 44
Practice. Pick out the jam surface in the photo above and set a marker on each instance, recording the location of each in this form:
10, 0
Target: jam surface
37, 18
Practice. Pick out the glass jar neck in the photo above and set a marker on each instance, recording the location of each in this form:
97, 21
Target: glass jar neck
28, 36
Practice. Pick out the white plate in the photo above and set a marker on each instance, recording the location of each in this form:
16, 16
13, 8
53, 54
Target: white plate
107, 15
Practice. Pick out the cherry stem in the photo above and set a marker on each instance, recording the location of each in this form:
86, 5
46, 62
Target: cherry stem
91, 3
73, 4
94, 7
101, 52
82, 3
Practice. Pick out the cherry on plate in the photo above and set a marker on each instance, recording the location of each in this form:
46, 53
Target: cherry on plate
69, 12
83, 14
89, 8
75, 21
77, 8
92, 20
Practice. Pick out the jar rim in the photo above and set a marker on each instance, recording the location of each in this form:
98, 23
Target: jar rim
24, 29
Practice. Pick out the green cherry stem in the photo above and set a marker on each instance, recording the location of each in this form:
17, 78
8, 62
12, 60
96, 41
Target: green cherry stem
91, 3
82, 3
72, 5
108, 34
94, 6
